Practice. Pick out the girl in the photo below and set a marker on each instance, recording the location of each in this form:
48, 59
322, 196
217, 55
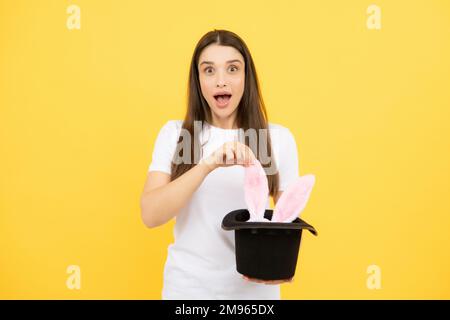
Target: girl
224, 97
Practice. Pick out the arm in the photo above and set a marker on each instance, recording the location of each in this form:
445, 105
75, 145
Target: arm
162, 198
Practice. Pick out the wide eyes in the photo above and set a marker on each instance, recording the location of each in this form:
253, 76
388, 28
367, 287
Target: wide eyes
210, 70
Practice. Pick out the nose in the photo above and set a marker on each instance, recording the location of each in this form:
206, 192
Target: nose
221, 81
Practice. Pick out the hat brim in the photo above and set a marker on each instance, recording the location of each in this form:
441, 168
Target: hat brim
237, 219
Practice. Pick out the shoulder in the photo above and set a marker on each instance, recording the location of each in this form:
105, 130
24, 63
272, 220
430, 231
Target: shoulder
173, 124
279, 132
283, 140
275, 126
170, 130
172, 127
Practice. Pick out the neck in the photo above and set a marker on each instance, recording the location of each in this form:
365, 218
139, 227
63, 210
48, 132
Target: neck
227, 123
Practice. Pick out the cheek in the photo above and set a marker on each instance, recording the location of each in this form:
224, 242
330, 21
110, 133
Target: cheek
238, 85
207, 88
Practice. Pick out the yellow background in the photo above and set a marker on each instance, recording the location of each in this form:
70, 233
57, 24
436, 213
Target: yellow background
80, 110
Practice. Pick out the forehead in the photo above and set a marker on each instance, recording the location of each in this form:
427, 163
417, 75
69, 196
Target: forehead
219, 54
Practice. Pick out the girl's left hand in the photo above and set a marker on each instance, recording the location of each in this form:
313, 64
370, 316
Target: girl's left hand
268, 281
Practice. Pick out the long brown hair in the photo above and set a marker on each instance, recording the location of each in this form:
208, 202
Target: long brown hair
251, 111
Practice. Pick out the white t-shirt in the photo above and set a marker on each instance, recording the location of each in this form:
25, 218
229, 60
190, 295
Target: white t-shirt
201, 262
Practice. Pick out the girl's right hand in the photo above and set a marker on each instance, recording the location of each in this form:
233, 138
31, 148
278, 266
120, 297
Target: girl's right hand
229, 154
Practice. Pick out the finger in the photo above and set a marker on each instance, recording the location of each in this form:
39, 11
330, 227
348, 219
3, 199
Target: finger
230, 157
282, 281
224, 153
249, 156
237, 154
240, 159
269, 282
256, 280
219, 158
243, 154
248, 278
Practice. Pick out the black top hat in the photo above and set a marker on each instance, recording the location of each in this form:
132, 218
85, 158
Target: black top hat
265, 250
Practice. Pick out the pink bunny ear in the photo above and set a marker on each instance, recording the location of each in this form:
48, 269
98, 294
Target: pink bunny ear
256, 191
294, 199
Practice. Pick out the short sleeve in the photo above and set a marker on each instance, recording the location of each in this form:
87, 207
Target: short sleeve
288, 160
164, 148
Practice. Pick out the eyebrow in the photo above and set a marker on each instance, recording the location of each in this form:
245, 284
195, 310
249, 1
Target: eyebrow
229, 61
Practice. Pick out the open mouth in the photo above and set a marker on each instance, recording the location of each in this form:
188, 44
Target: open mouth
222, 98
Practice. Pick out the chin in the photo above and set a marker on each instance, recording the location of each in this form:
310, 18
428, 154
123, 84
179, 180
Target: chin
224, 113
